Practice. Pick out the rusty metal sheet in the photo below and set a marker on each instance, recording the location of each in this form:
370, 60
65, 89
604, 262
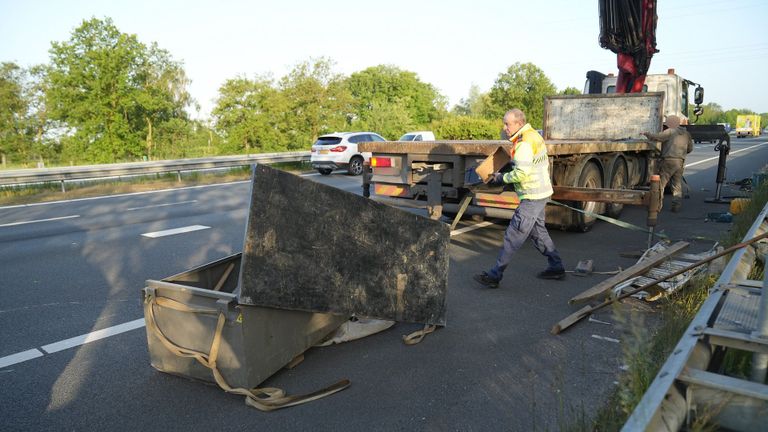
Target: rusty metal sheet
602, 117
312, 247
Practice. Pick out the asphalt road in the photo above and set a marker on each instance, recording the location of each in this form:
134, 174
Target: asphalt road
76, 267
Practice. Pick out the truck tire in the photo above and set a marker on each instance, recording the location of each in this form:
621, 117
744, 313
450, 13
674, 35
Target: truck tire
619, 179
590, 178
355, 167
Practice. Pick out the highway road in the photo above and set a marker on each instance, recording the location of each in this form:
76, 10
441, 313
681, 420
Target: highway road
73, 353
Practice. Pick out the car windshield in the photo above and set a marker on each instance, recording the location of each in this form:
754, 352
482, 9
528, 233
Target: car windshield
407, 137
327, 141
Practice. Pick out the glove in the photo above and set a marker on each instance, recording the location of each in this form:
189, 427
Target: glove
497, 179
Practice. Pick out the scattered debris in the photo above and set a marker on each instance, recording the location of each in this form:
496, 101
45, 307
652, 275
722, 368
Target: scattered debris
595, 320
605, 338
583, 268
722, 217
661, 270
354, 329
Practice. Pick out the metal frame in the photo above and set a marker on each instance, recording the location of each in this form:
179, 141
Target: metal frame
655, 410
41, 175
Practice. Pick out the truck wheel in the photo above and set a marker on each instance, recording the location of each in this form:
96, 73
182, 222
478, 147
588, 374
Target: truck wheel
590, 178
324, 171
618, 181
355, 166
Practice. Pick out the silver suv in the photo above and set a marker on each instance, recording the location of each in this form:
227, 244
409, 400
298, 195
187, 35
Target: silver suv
339, 150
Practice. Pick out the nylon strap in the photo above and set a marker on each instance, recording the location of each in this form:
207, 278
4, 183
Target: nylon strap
613, 221
418, 336
265, 398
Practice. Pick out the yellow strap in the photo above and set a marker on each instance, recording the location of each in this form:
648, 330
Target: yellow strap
418, 336
264, 399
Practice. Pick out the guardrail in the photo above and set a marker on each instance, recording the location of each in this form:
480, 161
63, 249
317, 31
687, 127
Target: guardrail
689, 385
43, 175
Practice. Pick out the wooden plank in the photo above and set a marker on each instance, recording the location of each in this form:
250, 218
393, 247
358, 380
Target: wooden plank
568, 193
313, 247
631, 272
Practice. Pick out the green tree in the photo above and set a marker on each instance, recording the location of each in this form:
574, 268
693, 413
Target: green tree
477, 104
570, 91
111, 89
460, 127
387, 91
13, 138
317, 102
251, 115
522, 86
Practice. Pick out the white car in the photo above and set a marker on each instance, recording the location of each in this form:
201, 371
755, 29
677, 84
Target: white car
339, 150
418, 136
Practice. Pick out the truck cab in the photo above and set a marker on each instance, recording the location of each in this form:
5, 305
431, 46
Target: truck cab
675, 89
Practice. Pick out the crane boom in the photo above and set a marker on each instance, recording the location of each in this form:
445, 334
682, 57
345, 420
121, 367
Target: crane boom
628, 28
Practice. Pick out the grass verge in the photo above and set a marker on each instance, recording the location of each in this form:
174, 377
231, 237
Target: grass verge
645, 349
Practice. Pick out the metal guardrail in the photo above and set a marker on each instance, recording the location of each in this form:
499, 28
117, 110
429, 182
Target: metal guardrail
42, 175
689, 385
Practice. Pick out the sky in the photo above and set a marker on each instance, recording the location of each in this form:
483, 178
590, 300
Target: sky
720, 44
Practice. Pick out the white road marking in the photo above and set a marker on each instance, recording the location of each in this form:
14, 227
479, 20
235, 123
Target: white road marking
39, 220
70, 343
19, 357
174, 231
92, 336
730, 153
161, 205
470, 228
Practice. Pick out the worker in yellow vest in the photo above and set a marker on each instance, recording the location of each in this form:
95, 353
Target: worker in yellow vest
530, 177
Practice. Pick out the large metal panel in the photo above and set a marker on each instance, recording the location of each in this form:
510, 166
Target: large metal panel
602, 117
312, 247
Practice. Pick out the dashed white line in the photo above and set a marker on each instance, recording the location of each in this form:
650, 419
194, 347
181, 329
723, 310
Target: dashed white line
19, 357
161, 205
39, 220
92, 336
174, 231
70, 343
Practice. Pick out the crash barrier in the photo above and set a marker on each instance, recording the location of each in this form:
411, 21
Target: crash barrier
302, 274
690, 384
62, 175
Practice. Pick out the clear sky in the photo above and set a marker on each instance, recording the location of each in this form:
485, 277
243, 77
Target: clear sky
721, 44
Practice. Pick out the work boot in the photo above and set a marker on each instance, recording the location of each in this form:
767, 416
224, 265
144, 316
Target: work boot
551, 274
484, 279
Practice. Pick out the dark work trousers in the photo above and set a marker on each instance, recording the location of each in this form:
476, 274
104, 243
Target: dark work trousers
671, 171
527, 222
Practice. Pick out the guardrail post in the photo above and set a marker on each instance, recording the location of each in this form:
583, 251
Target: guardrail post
760, 361
63, 189
178, 175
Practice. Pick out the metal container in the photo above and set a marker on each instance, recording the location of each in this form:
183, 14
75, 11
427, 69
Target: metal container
256, 341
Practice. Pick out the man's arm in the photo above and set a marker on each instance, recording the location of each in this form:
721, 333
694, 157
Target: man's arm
663, 136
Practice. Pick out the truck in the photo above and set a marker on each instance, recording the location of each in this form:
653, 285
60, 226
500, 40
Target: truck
748, 125
675, 88
594, 143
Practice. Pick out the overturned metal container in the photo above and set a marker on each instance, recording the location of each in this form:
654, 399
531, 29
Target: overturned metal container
255, 341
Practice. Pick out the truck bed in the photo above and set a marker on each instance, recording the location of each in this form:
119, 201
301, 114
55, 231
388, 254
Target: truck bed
486, 147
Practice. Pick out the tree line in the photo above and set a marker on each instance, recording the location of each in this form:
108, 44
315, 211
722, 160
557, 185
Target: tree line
105, 96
